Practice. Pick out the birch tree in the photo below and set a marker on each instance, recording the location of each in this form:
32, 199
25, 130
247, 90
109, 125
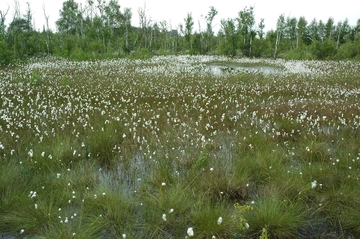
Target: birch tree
291, 29
261, 28
144, 27
301, 31
280, 27
209, 34
127, 23
329, 28
70, 18
228, 29
246, 22
189, 25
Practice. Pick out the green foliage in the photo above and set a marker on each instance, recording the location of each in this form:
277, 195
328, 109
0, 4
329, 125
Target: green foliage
79, 54
189, 23
102, 143
239, 216
5, 53
348, 50
280, 217
82, 36
323, 50
70, 18
301, 53
201, 162
65, 81
35, 78
163, 52
142, 54
213, 220
264, 234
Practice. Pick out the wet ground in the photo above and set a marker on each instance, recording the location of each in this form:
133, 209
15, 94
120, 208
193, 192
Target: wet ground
221, 69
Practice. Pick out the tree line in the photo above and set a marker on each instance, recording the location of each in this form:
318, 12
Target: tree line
102, 29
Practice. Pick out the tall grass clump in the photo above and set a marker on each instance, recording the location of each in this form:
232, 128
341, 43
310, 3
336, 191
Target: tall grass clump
280, 217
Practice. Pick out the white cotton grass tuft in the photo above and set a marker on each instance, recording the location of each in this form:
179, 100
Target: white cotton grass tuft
220, 220
32, 194
190, 232
313, 184
31, 153
164, 217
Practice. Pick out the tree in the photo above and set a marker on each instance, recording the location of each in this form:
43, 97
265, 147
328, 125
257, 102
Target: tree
209, 31
246, 22
357, 27
20, 33
113, 16
313, 30
127, 23
342, 31
228, 30
5, 53
2, 21
291, 30
329, 28
261, 27
321, 31
70, 18
47, 31
189, 24
144, 27
302, 35
280, 27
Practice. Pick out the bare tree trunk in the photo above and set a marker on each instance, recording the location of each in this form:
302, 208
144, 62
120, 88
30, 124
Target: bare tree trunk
47, 30
277, 43
126, 37
144, 23
250, 50
297, 41
338, 41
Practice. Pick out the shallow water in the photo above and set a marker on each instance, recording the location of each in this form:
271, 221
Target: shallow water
221, 69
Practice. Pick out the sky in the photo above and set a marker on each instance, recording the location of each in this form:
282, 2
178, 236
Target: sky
174, 11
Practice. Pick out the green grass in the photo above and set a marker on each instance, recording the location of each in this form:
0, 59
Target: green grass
150, 148
281, 217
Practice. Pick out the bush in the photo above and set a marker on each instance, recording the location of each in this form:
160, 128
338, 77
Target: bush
142, 53
347, 51
5, 54
323, 50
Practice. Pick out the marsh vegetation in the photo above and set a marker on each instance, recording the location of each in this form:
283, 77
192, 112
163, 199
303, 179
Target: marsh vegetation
164, 148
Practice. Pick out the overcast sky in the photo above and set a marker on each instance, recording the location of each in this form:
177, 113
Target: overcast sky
174, 11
